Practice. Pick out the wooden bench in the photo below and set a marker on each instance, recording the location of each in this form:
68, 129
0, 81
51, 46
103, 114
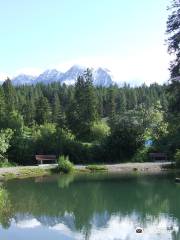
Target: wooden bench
41, 158
158, 156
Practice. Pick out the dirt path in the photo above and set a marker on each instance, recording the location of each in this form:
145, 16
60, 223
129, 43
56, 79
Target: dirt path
127, 167
122, 167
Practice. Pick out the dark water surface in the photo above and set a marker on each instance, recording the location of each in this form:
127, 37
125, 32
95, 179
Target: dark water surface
95, 207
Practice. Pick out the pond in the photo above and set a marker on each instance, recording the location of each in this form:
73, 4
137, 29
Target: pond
93, 206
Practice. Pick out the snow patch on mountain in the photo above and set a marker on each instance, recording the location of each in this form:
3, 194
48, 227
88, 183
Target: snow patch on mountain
50, 75
23, 79
101, 77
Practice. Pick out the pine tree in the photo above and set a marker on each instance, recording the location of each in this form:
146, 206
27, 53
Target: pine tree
85, 104
112, 106
10, 95
2, 105
173, 30
58, 116
122, 102
29, 112
43, 111
132, 99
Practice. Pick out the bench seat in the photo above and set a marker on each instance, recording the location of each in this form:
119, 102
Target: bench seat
42, 158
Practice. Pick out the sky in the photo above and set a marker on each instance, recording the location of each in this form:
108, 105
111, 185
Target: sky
127, 37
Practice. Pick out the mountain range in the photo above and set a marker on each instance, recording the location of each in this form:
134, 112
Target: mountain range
101, 77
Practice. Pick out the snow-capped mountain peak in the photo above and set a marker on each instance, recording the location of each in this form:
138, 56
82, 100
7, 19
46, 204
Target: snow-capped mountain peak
101, 76
72, 74
48, 76
23, 79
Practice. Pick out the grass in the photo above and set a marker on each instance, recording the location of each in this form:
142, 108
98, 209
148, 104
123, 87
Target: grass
27, 172
8, 176
96, 167
169, 166
33, 172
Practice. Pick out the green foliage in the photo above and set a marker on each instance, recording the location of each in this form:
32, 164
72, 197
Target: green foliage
58, 116
156, 126
2, 106
84, 113
142, 155
173, 91
45, 138
5, 137
14, 120
173, 30
177, 158
99, 131
125, 139
5, 163
111, 105
77, 151
10, 95
43, 110
65, 120
64, 165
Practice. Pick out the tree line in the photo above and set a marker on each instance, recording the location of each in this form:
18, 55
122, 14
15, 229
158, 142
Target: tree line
80, 121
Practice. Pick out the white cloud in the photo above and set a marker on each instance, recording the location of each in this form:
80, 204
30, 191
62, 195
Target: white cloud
118, 227
149, 66
3, 76
30, 223
125, 228
63, 229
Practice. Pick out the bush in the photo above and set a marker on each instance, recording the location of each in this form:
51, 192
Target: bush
124, 141
64, 165
6, 164
99, 131
177, 158
141, 155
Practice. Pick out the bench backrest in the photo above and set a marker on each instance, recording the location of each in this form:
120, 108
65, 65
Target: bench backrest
45, 157
158, 155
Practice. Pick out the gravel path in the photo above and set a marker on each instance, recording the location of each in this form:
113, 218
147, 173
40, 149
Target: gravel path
122, 167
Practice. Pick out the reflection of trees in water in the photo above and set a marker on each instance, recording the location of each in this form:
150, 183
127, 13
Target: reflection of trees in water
6, 211
65, 180
94, 200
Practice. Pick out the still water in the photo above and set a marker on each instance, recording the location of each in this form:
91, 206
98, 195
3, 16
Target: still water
94, 207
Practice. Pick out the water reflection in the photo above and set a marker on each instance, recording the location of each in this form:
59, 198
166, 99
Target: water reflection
6, 210
94, 207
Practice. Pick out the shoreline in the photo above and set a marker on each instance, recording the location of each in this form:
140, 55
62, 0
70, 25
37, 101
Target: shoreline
121, 168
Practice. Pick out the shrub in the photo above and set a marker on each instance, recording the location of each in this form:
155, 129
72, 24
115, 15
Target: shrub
177, 158
64, 165
99, 131
77, 151
6, 164
141, 155
125, 139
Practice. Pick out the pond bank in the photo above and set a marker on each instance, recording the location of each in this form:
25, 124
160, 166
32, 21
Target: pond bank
47, 169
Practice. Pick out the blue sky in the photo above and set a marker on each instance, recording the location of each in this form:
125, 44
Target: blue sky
125, 36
